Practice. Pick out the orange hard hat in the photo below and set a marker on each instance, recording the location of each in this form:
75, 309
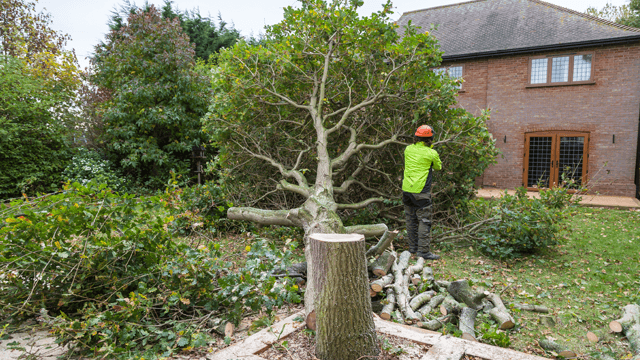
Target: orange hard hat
424, 131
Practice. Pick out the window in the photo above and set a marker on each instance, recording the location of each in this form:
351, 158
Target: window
551, 157
453, 71
561, 70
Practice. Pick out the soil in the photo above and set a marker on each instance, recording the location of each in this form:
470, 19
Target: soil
301, 346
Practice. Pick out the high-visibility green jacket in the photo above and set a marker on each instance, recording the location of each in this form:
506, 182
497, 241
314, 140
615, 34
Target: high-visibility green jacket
418, 159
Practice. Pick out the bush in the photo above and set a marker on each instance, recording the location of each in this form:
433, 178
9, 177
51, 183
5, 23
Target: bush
198, 207
523, 225
87, 165
111, 280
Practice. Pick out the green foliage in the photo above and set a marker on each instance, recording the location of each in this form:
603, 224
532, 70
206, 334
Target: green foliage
198, 207
111, 279
493, 336
34, 138
207, 37
379, 87
87, 165
152, 119
523, 225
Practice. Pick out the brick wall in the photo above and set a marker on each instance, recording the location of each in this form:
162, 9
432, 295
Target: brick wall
608, 107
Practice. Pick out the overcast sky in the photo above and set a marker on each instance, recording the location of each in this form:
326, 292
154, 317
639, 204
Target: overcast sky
86, 20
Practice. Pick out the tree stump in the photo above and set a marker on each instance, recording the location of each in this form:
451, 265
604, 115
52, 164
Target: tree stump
344, 321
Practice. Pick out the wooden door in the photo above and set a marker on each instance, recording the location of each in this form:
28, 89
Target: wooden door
550, 155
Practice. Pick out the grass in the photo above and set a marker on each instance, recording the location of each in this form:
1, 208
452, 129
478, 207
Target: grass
584, 282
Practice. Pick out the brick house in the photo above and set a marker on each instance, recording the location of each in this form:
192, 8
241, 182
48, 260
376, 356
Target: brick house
563, 88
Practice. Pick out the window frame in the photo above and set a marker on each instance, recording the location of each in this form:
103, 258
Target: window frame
550, 66
447, 67
554, 176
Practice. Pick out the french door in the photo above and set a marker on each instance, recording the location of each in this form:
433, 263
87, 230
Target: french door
550, 155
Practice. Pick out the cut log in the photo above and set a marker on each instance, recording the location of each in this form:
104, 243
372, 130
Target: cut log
467, 323
372, 293
547, 321
449, 305
381, 266
397, 316
415, 268
436, 324
339, 277
442, 284
630, 316
535, 308
416, 280
462, 292
592, 337
229, 328
433, 303
615, 326
420, 299
500, 313
387, 310
403, 261
629, 324
552, 346
383, 244
381, 283
633, 335
427, 276
401, 289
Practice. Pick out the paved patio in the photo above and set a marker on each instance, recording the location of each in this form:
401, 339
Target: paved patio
616, 202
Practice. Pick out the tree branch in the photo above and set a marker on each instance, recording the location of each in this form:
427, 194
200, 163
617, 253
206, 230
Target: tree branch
265, 217
285, 185
368, 231
361, 204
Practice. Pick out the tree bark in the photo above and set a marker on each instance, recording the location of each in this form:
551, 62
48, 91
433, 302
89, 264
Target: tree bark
427, 277
629, 323
381, 266
344, 324
467, 323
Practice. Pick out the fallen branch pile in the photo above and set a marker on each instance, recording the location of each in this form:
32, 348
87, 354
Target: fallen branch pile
412, 293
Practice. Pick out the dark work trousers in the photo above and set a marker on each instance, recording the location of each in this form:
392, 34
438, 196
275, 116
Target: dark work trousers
418, 211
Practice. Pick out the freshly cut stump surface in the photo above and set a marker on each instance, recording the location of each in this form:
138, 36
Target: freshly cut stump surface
344, 322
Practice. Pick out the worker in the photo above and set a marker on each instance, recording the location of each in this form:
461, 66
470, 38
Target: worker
419, 162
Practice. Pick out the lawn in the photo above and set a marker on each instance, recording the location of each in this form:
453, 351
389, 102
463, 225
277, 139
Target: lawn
584, 282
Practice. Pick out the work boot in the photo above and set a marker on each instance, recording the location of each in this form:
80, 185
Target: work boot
429, 256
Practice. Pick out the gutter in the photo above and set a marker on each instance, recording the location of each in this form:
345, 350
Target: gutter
532, 49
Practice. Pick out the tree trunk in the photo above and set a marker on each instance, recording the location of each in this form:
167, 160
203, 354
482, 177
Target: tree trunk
344, 324
629, 323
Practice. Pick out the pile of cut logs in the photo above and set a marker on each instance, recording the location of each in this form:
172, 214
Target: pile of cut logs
412, 293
